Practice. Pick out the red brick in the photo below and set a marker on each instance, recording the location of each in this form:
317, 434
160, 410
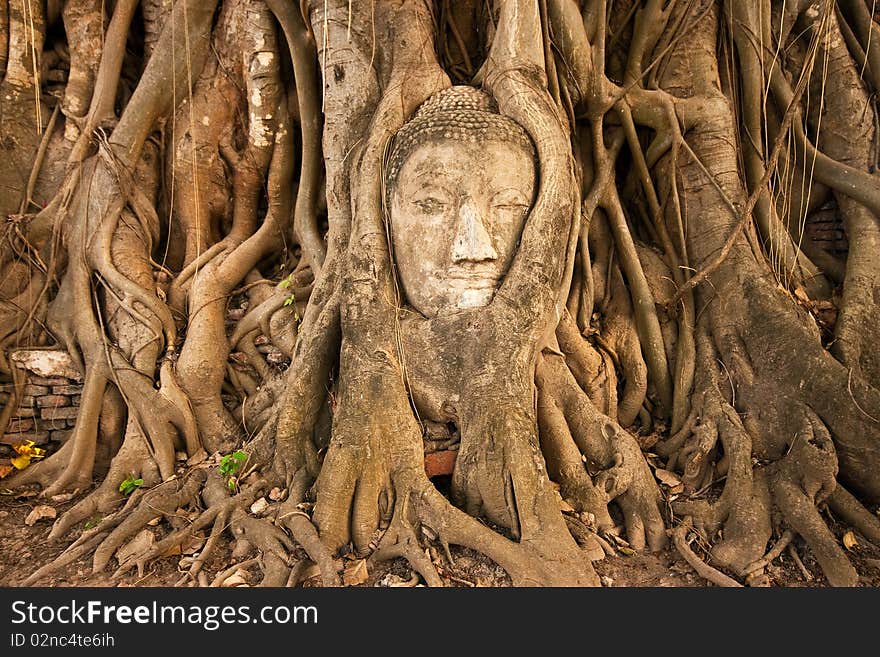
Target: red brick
35, 391
62, 413
440, 463
18, 425
49, 381
53, 401
25, 411
66, 390
60, 435
38, 438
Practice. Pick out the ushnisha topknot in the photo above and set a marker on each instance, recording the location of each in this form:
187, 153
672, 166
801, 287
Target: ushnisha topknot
459, 113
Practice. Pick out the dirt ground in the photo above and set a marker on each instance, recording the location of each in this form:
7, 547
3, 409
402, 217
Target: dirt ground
24, 548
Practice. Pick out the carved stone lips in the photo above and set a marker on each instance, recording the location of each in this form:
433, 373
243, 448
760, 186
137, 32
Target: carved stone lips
475, 278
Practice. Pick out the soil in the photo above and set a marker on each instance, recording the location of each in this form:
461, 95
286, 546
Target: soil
24, 548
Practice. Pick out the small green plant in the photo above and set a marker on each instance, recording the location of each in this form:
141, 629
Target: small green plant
92, 522
130, 485
289, 300
230, 464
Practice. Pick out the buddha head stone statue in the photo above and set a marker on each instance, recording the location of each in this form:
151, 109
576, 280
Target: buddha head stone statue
460, 180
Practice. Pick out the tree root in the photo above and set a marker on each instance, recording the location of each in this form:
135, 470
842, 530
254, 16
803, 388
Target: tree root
704, 570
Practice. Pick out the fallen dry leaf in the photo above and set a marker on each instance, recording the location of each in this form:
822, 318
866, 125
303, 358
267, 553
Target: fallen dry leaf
26, 451
135, 547
40, 512
61, 498
198, 457
277, 494
311, 571
667, 477
593, 549
355, 573
259, 506
190, 546
849, 540
5, 470
235, 579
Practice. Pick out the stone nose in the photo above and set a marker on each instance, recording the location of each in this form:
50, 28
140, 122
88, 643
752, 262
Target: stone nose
472, 241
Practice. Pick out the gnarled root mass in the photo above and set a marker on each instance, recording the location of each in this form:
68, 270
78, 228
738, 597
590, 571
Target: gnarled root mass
201, 226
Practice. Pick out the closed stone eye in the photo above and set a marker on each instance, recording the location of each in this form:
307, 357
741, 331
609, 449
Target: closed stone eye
430, 205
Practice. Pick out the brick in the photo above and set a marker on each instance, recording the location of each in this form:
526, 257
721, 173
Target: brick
49, 380
71, 422
67, 390
53, 401
440, 463
28, 401
61, 413
35, 391
25, 411
38, 438
75, 400
18, 425
60, 435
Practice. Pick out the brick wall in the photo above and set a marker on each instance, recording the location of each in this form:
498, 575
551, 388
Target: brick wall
825, 228
50, 399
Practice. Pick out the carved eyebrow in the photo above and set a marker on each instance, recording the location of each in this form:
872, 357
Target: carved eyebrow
425, 173
432, 189
514, 193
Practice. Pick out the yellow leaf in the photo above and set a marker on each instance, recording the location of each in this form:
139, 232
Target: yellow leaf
849, 540
355, 573
21, 462
28, 449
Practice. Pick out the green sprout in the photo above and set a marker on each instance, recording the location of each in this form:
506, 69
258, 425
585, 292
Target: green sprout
290, 299
130, 485
230, 464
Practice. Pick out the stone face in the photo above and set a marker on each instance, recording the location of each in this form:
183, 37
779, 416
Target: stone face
461, 180
457, 213
47, 363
